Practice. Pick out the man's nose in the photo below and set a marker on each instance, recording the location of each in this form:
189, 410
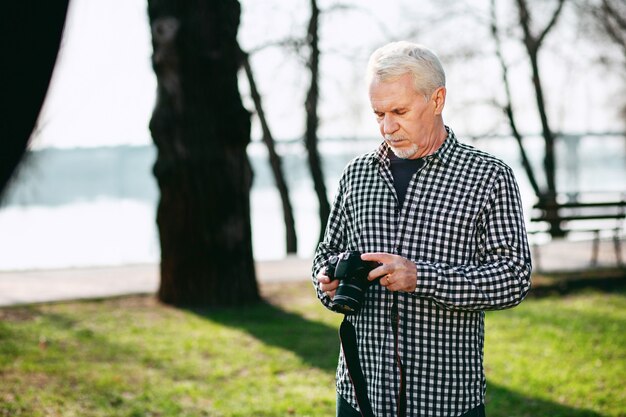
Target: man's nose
389, 124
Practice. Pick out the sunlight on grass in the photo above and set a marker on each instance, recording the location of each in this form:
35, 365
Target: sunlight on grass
135, 357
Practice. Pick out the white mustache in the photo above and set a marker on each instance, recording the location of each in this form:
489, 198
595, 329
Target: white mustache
394, 138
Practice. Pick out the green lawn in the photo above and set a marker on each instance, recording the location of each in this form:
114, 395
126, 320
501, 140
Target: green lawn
554, 356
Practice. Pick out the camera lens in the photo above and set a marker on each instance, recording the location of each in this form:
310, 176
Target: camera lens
349, 296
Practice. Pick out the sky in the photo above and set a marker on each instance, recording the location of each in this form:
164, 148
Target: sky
103, 88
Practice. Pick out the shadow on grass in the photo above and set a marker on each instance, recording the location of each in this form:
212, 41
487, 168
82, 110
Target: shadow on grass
317, 344
502, 402
53, 363
60, 332
14, 342
564, 283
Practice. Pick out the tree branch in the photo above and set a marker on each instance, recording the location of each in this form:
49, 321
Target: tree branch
610, 17
609, 10
291, 43
524, 19
291, 239
551, 23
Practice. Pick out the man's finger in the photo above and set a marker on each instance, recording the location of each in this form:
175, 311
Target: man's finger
377, 272
381, 257
384, 258
329, 286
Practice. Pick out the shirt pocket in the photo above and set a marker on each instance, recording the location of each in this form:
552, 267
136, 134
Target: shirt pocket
372, 218
446, 230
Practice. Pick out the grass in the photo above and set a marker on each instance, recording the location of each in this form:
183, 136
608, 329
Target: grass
561, 354
131, 356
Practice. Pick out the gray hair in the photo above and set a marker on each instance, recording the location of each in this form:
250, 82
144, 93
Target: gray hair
398, 58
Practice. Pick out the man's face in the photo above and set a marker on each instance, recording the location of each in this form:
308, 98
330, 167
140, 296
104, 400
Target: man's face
409, 122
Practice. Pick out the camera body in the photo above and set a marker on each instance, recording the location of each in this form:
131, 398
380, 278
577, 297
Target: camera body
351, 271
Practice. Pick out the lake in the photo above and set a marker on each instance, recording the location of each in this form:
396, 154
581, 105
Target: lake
96, 206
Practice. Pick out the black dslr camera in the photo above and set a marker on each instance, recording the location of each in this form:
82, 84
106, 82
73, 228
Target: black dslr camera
351, 271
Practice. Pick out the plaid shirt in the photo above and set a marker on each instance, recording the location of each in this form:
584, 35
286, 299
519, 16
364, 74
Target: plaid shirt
462, 225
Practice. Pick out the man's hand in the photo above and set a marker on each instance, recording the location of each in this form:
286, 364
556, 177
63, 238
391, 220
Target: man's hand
326, 285
396, 273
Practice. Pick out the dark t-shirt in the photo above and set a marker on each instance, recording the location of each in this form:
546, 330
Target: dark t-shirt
402, 171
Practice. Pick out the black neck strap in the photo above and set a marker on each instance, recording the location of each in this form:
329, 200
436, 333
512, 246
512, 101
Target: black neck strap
347, 334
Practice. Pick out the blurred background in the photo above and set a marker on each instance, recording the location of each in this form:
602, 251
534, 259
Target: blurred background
85, 197
85, 194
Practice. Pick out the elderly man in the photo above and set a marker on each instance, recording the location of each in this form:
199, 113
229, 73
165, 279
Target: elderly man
444, 223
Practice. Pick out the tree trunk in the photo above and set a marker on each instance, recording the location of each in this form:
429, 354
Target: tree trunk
548, 136
201, 131
312, 120
32, 35
275, 161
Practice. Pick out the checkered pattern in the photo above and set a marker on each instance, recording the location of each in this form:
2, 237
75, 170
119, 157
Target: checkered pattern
462, 225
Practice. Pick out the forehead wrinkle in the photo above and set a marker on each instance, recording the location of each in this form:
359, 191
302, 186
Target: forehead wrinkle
391, 104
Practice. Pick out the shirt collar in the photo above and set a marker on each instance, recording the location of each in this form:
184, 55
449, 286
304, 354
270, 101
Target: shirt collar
443, 153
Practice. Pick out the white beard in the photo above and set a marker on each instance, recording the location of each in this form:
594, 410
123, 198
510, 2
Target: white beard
404, 153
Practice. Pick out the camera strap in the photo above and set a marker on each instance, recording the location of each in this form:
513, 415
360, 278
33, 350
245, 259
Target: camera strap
347, 335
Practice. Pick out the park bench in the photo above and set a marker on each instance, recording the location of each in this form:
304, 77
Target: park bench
577, 214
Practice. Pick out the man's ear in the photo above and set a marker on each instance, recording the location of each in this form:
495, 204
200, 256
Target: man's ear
438, 98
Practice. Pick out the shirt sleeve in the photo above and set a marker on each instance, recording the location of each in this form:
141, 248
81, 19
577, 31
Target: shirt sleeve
501, 276
333, 242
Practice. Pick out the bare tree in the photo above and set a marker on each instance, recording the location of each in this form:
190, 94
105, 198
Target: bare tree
297, 45
312, 119
532, 42
275, 160
201, 131
508, 106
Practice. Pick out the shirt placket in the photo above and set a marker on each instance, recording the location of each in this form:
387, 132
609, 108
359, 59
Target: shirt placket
414, 188
395, 319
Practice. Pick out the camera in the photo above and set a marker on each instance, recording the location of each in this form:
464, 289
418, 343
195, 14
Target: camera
351, 271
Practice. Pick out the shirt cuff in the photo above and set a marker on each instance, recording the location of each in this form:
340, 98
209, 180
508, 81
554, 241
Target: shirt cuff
426, 279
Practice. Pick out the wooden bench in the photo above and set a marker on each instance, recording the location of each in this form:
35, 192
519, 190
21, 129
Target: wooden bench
577, 213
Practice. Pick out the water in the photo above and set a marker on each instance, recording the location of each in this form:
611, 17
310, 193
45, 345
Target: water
96, 206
